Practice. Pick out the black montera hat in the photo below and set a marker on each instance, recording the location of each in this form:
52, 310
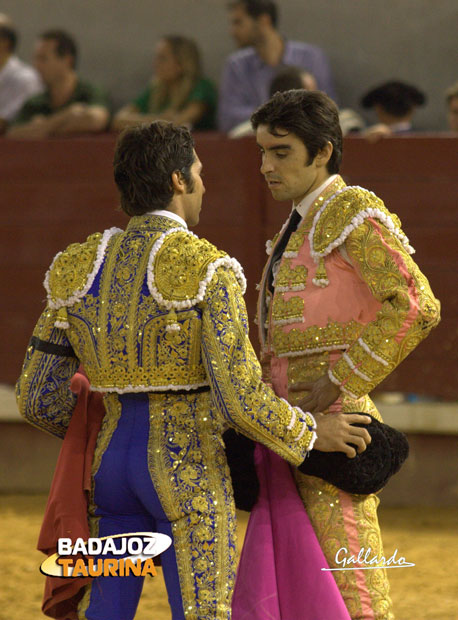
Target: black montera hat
367, 472
396, 98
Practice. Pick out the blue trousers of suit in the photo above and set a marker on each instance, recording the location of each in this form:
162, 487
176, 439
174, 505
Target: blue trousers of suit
126, 501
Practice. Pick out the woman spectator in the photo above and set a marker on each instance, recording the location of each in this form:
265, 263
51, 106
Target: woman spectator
177, 93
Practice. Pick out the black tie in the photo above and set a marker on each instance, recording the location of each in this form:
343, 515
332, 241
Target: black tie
281, 245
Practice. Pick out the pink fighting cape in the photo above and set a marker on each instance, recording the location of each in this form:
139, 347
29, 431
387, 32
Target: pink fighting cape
279, 575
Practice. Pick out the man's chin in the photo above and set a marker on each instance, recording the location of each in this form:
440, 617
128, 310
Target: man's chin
278, 194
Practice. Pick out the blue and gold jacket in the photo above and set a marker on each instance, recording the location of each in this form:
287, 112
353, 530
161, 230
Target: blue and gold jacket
153, 309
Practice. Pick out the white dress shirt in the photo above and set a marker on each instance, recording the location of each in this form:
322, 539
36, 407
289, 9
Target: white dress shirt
18, 82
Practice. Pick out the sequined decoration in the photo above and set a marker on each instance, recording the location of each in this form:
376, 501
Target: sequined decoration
234, 371
332, 336
341, 520
69, 272
189, 471
43, 389
409, 309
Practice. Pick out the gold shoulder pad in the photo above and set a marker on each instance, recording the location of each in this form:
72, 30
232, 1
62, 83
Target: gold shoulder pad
181, 266
72, 271
342, 213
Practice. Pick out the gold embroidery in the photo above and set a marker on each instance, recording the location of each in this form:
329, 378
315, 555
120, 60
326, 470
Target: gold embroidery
363, 404
334, 522
188, 469
296, 240
332, 336
190, 474
146, 223
121, 332
109, 424
329, 191
309, 368
283, 310
306, 224
365, 510
43, 389
305, 369
289, 278
234, 370
71, 268
399, 296
339, 213
181, 265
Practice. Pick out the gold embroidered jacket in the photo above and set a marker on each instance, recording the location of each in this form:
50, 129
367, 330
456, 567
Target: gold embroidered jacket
153, 309
372, 309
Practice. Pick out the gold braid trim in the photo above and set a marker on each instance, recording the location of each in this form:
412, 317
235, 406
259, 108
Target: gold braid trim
342, 213
181, 266
73, 271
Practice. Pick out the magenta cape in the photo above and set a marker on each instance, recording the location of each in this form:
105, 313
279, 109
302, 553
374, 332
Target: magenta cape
279, 575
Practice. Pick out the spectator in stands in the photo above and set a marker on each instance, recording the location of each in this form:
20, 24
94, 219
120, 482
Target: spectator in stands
394, 104
177, 93
248, 72
69, 105
18, 81
289, 78
451, 96
293, 78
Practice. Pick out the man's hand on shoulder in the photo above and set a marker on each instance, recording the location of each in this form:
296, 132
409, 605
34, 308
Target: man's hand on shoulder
335, 431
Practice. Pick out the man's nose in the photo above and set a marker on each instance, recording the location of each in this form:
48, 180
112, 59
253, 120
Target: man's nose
266, 166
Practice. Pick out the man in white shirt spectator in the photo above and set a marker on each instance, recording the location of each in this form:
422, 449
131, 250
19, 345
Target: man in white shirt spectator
69, 105
248, 72
18, 81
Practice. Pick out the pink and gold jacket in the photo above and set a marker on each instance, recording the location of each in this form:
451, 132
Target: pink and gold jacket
348, 298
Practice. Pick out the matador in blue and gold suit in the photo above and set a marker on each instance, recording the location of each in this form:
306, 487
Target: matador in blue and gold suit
157, 318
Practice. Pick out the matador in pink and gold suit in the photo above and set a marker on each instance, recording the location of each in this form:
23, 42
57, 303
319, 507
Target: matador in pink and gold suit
348, 300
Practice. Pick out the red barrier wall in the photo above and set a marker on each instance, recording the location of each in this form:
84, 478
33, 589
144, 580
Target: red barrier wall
56, 192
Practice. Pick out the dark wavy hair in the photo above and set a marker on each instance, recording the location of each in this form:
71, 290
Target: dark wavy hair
310, 115
65, 43
144, 161
256, 8
9, 33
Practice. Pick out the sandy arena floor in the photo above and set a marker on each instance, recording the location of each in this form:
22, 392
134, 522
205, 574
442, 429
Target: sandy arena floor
426, 537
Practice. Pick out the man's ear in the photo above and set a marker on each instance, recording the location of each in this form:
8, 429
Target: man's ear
324, 155
178, 182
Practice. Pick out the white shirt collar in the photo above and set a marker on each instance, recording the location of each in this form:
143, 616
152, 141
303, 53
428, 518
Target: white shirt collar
305, 204
170, 215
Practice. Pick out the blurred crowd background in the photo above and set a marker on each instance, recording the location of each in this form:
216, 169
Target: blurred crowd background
128, 51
